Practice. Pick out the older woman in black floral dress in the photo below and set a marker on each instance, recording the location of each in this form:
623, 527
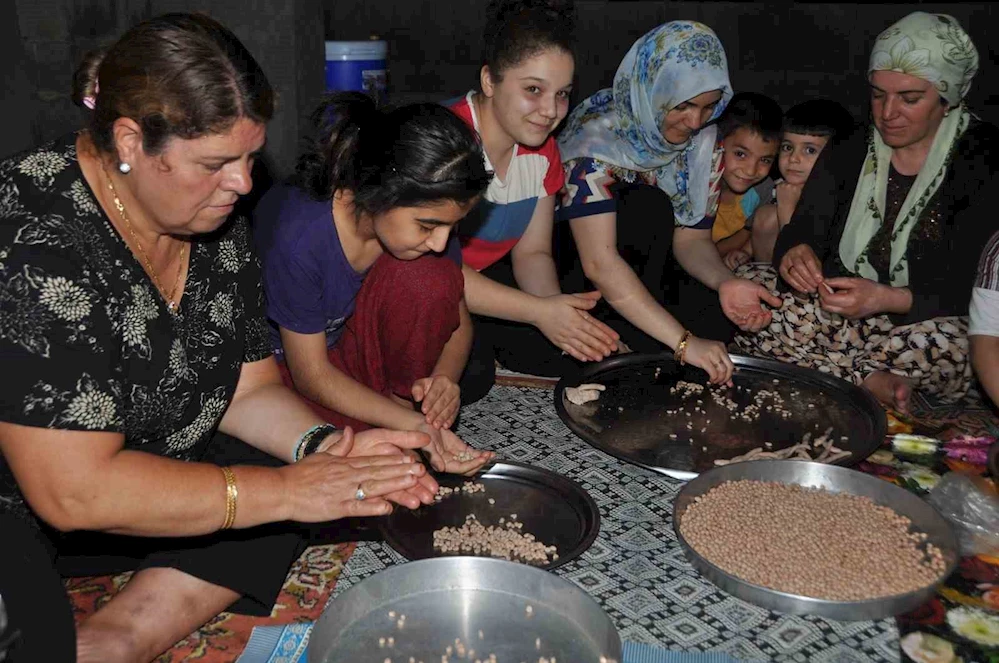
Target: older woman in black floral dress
134, 345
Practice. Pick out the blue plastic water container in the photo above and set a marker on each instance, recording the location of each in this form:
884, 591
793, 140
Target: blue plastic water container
358, 66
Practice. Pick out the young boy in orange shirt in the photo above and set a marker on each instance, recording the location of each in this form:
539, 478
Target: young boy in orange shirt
749, 131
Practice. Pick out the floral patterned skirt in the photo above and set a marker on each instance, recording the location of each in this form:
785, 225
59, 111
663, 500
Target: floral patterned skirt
932, 353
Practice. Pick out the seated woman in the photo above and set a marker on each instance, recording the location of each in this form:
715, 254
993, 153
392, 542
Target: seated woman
134, 344
638, 164
876, 262
511, 284
983, 325
362, 271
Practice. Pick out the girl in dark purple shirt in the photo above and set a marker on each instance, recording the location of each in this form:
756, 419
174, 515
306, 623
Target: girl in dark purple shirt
362, 275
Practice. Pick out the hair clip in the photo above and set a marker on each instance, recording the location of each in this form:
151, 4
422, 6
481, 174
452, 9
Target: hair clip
90, 101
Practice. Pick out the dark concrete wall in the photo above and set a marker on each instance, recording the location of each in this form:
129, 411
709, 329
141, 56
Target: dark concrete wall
789, 50
43, 40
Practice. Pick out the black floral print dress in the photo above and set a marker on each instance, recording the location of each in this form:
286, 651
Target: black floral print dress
86, 341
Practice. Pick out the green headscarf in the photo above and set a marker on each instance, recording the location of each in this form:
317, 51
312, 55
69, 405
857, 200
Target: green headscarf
935, 48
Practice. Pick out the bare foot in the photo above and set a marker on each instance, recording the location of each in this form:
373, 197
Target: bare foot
891, 390
105, 644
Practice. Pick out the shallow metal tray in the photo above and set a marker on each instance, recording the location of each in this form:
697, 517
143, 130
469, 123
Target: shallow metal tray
835, 479
629, 420
459, 597
556, 510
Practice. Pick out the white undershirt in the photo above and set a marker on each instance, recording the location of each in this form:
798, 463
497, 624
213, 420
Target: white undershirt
984, 312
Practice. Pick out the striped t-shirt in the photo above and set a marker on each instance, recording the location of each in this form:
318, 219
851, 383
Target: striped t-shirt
498, 222
984, 308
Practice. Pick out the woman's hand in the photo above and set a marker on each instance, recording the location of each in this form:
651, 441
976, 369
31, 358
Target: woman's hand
736, 258
448, 453
742, 301
323, 486
801, 268
441, 399
712, 357
564, 321
854, 298
382, 442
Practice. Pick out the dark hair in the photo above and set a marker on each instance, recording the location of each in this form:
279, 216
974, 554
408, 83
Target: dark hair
518, 29
176, 75
756, 112
402, 157
819, 117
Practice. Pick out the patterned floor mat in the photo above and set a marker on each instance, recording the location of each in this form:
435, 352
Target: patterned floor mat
312, 578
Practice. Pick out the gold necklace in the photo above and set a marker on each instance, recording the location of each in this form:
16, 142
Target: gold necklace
172, 304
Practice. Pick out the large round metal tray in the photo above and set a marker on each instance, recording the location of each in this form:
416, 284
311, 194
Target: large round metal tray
835, 479
630, 419
555, 509
463, 597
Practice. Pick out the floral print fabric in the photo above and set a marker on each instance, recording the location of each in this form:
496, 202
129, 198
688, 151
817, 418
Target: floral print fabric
933, 353
86, 341
960, 624
933, 47
622, 126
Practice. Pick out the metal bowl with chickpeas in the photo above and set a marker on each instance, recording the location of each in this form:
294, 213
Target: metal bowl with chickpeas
809, 538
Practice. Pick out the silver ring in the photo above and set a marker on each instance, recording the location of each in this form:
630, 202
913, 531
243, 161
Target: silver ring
359, 495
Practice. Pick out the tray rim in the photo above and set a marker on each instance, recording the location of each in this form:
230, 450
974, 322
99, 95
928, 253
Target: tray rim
792, 370
590, 533
799, 604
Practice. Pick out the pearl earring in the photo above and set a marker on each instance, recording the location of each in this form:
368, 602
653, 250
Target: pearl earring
124, 168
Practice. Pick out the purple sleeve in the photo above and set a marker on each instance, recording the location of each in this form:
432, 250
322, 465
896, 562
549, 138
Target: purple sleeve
294, 290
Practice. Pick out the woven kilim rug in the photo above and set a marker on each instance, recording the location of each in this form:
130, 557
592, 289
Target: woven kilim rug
305, 593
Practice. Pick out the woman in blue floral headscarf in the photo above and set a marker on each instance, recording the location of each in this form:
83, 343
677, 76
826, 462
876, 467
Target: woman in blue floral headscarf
639, 162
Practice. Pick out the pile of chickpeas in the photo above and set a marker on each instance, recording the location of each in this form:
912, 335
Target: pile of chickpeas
810, 542
750, 413
469, 488
505, 541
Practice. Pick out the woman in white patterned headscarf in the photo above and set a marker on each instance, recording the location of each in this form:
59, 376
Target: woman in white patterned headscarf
640, 162
890, 256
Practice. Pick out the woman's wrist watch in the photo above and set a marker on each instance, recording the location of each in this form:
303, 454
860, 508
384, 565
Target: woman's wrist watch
311, 439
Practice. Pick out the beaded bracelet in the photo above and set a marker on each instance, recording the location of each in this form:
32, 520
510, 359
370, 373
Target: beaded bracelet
311, 439
681, 347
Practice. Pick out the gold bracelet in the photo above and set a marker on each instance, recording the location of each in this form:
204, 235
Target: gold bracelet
231, 493
681, 347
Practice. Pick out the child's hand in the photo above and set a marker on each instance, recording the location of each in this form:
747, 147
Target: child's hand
736, 258
787, 199
440, 397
